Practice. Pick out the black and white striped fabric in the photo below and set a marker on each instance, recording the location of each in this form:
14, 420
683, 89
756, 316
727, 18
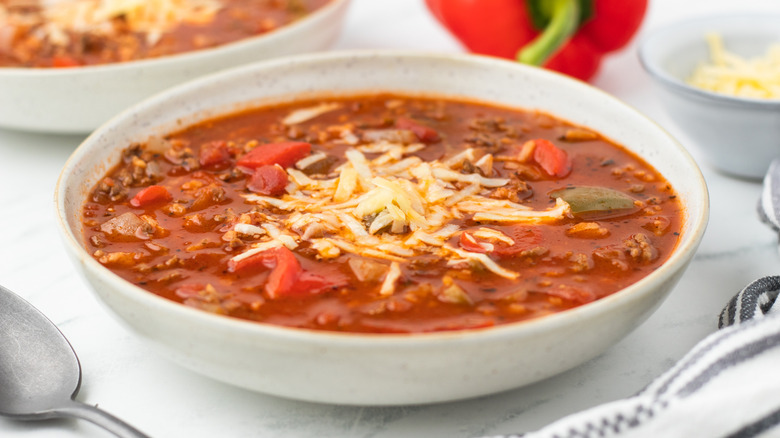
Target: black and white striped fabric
727, 386
769, 204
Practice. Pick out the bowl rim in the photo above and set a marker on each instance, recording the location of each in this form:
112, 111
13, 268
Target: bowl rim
683, 251
274, 36
654, 69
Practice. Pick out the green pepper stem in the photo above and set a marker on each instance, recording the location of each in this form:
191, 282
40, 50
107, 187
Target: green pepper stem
564, 22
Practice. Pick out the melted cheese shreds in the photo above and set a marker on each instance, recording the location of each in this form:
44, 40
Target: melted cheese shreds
485, 164
473, 178
311, 159
456, 197
249, 229
268, 200
361, 166
325, 248
488, 247
300, 178
352, 224
347, 184
507, 215
401, 166
361, 250
376, 201
385, 203
256, 249
388, 285
731, 74
382, 220
482, 259
437, 238
277, 235
477, 205
149, 16
459, 158
306, 114
491, 234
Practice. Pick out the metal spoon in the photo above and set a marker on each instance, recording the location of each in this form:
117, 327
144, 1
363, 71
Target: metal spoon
40, 374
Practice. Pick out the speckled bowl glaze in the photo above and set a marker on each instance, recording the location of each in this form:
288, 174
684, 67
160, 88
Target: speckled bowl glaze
739, 136
361, 369
78, 100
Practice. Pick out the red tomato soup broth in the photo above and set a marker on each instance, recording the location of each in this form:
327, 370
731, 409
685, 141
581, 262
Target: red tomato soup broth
382, 213
90, 32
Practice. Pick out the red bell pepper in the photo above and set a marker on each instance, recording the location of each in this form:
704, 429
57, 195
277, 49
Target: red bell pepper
554, 160
64, 61
284, 154
569, 36
287, 278
151, 195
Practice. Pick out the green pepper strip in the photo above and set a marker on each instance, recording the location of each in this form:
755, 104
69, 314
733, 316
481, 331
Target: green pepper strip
560, 20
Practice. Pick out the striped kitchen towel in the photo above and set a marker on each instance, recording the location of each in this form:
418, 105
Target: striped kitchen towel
769, 204
727, 386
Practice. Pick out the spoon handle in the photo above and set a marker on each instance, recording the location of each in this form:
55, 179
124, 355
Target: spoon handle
101, 418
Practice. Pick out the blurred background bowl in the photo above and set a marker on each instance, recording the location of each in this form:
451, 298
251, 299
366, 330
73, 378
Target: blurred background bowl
739, 136
381, 369
79, 99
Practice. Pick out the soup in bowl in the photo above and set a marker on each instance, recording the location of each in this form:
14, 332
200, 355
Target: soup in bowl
68, 66
382, 228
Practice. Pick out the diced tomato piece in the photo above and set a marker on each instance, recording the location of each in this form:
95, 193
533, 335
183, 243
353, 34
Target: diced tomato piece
268, 180
284, 154
62, 61
554, 160
214, 154
287, 277
426, 134
150, 196
285, 274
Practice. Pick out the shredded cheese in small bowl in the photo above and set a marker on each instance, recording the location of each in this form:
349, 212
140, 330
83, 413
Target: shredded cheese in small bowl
731, 74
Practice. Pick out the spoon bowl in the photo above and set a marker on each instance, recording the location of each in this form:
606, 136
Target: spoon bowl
40, 373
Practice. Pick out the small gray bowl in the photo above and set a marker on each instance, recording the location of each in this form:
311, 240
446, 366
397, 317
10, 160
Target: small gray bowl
739, 136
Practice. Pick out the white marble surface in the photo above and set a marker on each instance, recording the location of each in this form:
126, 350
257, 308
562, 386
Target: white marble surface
124, 377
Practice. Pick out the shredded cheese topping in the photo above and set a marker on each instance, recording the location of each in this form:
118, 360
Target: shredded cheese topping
391, 205
731, 74
151, 17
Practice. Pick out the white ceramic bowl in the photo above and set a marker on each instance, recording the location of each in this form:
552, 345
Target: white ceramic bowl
371, 369
78, 100
739, 136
